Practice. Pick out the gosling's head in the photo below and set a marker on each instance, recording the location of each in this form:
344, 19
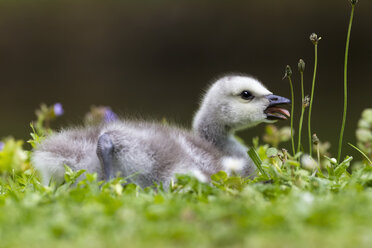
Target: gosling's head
238, 102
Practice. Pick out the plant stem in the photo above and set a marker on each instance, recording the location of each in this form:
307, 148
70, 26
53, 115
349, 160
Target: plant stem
345, 83
312, 99
302, 113
318, 155
292, 112
318, 169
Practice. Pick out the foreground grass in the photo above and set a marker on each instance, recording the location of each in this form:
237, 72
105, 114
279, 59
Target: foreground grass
286, 205
291, 203
295, 209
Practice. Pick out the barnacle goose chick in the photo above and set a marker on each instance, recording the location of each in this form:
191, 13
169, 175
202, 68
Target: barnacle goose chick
148, 152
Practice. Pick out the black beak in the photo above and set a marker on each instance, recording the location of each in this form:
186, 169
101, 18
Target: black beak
277, 100
273, 111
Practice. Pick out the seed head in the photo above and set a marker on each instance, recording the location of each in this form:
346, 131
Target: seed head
285, 154
301, 65
353, 2
306, 102
288, 72
315, 139
314, 38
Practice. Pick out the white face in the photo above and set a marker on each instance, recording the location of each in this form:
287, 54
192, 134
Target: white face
240, 101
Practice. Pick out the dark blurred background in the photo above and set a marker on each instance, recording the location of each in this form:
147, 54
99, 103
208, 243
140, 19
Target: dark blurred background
154, 58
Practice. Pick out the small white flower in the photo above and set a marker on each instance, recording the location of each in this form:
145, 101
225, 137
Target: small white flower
308, 163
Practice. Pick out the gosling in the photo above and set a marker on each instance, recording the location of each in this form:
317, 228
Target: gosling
147, 152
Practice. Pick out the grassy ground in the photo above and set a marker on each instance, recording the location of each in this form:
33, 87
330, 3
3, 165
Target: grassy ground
295, 209
291, 203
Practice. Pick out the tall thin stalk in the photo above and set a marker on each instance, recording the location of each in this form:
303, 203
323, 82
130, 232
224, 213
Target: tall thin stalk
292, 116
314, 38
288, 74
301, 68
353, 2
316, 143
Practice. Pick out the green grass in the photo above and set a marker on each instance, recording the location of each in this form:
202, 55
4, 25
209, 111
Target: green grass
295, 209
353, 2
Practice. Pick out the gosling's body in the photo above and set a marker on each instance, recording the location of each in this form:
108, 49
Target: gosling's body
144, 152
148, 153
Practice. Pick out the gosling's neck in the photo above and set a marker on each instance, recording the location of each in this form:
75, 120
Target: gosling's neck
215, 131
212, 131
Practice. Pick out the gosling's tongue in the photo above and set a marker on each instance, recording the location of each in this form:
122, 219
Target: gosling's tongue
277, 112
274, 112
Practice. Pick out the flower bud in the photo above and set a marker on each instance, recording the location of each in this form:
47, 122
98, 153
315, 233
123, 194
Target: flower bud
58, 109
315, 139
308, 163
285, 154
288, 72
301, 65
314, 38
306, 102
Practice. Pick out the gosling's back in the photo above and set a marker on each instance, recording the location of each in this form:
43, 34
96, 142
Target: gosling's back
143, 152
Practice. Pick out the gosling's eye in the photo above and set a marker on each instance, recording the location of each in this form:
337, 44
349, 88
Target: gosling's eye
246, 95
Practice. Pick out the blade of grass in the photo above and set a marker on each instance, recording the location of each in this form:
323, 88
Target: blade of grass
341, 168
361, 152
256, 160
345, 82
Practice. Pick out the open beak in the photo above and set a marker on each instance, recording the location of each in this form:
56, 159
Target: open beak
274, 111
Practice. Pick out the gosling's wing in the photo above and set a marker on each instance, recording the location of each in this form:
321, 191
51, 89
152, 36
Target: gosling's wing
75, 148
